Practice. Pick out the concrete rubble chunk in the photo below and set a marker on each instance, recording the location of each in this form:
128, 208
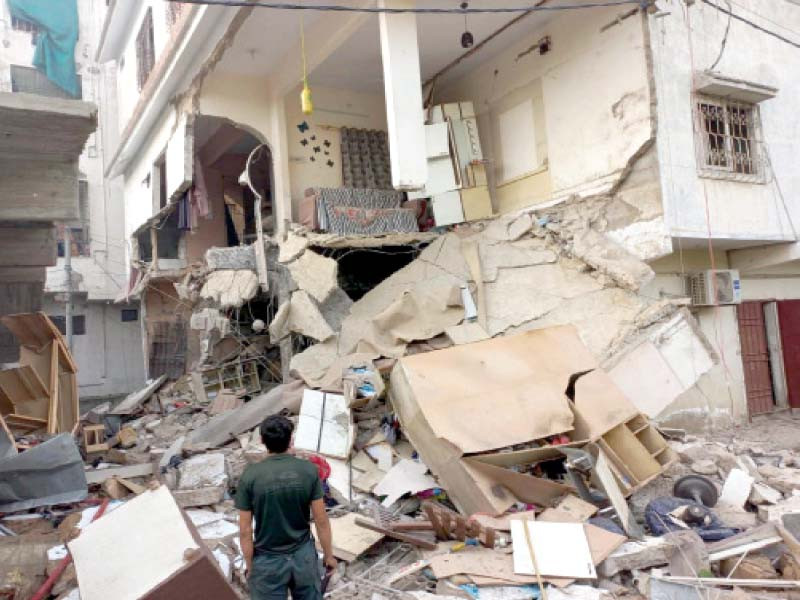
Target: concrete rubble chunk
764, 494
782, 479
316, 274
203, 470
230, 288
232, 257
292, 247
650, 552
300, 315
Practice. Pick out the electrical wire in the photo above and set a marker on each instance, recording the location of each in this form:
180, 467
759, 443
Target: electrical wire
423, 11
733, 15
724, 39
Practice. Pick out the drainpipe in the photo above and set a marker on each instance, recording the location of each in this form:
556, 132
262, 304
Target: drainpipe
68, 271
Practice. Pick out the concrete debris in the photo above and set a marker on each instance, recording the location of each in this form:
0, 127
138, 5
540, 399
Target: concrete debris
231, 258
230, 288
505, 374
316, 274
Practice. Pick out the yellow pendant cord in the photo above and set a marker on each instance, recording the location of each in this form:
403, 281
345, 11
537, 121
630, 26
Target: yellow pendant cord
306, 104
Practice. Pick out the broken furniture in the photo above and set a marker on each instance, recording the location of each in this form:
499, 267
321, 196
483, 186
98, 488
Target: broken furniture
398, 527
232, 376
457, 183
166, 558
448, 524
94, 438
529, 372
42, 392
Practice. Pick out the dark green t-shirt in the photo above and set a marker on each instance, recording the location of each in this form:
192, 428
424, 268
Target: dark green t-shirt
279, 490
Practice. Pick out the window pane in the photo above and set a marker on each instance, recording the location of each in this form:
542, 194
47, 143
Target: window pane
740, 121
129, 314
712, 118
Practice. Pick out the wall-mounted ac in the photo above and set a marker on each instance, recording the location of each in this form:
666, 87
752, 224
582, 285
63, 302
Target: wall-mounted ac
726, 284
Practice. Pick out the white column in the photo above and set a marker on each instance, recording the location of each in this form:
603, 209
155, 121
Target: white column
403, 90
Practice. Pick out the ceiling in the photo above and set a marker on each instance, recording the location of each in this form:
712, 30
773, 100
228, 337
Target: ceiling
268, 35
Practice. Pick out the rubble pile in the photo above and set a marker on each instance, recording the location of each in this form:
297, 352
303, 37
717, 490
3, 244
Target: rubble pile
510, 468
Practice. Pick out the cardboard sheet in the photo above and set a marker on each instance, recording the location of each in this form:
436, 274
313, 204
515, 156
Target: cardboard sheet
406, 477
349, 540
561, 549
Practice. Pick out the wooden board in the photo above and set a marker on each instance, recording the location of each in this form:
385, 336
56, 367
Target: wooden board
570, 509
562, 549
350, 540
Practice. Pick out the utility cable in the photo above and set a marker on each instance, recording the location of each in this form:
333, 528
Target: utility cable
724, 39
733, 15
395, 11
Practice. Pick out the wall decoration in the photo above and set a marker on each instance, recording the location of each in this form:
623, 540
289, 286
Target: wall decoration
303, 127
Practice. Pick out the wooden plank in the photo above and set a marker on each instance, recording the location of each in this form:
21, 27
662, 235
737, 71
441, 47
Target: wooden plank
720, 581
397, 535
757, 545
52, 417
609, 484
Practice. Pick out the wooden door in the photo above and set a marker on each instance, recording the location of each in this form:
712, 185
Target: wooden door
789, 318
755, 358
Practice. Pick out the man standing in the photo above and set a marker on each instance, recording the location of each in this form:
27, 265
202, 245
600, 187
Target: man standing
281, 491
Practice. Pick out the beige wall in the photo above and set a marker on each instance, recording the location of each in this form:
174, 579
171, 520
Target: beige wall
589, 117
333, 109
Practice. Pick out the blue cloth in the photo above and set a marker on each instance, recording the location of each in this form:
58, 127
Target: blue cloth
656, 514
57, 21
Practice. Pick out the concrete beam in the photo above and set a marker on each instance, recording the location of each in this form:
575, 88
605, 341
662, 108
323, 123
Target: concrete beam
44, 127
27, 247
403, 92
751, 260
39, 190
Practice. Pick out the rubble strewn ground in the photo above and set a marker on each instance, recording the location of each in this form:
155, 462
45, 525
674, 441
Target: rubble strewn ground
397, 530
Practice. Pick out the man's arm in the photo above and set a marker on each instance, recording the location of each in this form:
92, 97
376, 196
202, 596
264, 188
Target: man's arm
246, 537
324, 532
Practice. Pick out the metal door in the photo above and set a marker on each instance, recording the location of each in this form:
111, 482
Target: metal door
789, 318
755, 358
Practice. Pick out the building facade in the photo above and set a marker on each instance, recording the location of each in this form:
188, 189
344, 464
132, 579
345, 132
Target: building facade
658, 128
106, 335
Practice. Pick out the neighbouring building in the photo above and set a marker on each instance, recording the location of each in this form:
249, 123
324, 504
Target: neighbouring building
651, 146
79, 204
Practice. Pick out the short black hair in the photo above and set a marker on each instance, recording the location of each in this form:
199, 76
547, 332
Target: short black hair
276, 433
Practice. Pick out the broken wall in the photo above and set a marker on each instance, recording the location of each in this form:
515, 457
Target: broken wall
171, 345
590, 116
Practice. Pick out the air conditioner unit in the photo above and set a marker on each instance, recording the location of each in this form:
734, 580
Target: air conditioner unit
725, 283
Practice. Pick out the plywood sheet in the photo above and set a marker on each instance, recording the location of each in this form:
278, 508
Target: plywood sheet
406, 477
601, 404
561, 549
112, 562
350, 540
523, 376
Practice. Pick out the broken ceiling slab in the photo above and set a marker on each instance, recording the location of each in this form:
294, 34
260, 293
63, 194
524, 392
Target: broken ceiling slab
134, 400
300, 315
331, 240
162, 555
605, 255
230, 288
406, 477
49, 473
226, 426
523, 253
316, 274
292, 247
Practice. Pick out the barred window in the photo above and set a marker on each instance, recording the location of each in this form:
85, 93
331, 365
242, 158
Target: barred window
145, 49
728, 144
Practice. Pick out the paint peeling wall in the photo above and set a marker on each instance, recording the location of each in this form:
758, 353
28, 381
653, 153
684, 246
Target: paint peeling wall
736, 210
595, 99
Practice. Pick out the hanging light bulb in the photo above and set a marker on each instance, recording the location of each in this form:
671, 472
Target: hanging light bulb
466, 38
306, 105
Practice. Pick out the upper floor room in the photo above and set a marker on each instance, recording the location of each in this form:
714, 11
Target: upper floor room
668, 112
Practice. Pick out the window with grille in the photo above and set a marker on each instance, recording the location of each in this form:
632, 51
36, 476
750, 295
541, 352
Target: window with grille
145, 49
78, 324
18, 24
728, 144
128, 315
